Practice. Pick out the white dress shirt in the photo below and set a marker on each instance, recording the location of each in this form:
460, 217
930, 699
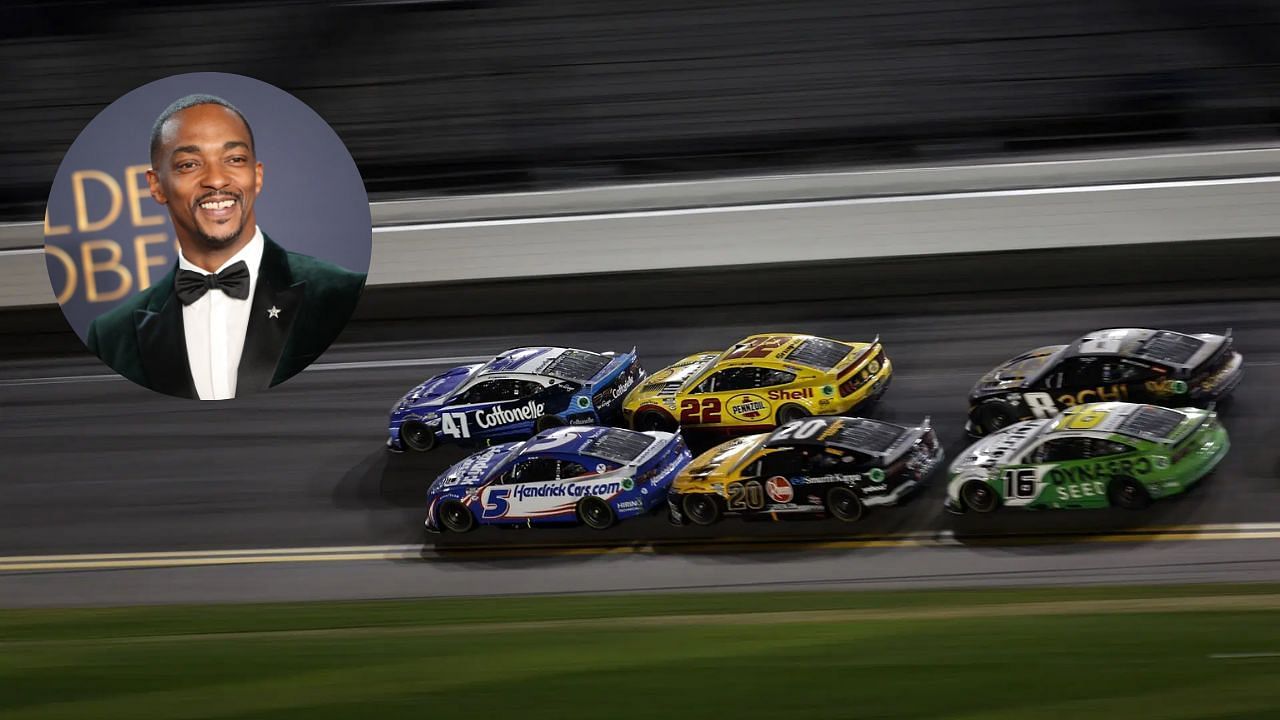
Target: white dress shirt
215, 326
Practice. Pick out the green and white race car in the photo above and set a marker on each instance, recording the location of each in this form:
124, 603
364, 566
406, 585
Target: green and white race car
1089, 456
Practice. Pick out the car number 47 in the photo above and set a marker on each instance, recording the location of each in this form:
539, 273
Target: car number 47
455, 425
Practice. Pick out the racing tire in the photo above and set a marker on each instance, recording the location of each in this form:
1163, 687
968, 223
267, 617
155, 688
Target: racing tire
978, 496
415, 435
993, 416
788, 413
701, 509
595, 513
843, 504
653, 420
1128, 493
453, 516
546, 422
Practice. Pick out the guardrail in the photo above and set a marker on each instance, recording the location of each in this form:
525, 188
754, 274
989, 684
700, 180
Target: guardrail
1067, 202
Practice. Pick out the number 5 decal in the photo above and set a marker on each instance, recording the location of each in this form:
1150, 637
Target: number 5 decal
496, 505
694, 412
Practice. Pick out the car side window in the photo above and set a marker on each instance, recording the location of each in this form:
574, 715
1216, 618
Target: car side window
1082, 371
1096, 448
1117, 371
500, 390
785, 462
1056, 450
533, 470
570, 469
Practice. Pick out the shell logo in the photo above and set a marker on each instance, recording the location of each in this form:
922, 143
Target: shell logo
779, 489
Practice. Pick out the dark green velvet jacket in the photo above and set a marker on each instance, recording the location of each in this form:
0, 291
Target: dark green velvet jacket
143, 339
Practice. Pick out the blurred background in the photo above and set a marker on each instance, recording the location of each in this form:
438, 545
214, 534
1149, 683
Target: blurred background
464, 96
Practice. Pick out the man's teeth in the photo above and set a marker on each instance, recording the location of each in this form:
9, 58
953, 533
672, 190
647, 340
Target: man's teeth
218, 205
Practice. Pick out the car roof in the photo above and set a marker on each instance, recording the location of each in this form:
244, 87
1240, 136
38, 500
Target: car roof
1133, 420
789, 349
873, 437
1159, 346
611, 444
546, 361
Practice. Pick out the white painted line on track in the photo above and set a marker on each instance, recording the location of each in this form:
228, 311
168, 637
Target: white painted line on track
410, 362
837, 202
1243, 656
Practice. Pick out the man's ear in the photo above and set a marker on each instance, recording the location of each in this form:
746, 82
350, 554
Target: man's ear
257, 180
153, 184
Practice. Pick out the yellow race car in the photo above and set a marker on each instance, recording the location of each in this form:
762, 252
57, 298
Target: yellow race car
759, 383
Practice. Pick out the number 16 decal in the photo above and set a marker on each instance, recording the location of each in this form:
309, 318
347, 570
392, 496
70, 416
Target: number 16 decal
1020, 483
694, 412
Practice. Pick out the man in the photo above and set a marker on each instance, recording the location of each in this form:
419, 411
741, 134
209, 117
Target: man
238, 313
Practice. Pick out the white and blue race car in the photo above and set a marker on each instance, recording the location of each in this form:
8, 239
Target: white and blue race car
516, 394
592, 475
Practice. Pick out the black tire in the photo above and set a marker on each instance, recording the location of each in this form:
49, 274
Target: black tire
843, 504
415, 435
595, 513
453, 516
789, 413
653, 420
993, 416
701, 509
546, 422
1128, 493
979, 496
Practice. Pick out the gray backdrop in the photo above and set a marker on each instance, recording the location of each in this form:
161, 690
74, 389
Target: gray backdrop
313, 200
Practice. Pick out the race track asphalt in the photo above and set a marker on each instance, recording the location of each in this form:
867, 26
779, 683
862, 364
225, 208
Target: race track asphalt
93, 464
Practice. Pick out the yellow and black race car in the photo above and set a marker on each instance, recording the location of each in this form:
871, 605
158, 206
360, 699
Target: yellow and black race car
759, 383
826, 465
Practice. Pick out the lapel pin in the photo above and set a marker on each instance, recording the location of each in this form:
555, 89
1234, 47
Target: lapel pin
274, 312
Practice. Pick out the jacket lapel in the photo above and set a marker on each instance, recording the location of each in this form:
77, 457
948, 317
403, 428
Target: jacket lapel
162, 343
276, 303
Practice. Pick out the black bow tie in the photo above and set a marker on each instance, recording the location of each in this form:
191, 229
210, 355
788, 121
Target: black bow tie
191, 286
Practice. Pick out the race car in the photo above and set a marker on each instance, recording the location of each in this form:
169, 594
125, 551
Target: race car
1158, 367
761, 382
593, 475
831, 465
513, 396
1090, 456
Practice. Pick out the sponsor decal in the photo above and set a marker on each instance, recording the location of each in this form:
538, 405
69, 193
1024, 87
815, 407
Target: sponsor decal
873, 367
779, 489
800, 394
1102, 393
458, 424
834, 478
628, 483
568, 490
876, 474
581, 420
747, 407
1081, 490
626, 505
619, 388
583, 402
824, 402
828, 390
601, 468
1178, 386
1079, 473
875, 488
1161, 462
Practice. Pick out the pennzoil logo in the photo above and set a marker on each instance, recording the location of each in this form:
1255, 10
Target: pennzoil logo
747, 407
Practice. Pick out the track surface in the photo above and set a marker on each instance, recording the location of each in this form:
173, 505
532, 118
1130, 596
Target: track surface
99, 465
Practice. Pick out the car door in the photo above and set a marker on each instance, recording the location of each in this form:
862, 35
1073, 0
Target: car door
1024, 482
529, 489
733, 396
494, 408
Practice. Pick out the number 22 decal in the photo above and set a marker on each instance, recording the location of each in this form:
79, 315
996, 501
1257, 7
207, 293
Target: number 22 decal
706, 411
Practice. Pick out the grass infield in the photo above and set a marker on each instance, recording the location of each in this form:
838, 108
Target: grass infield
1158, 652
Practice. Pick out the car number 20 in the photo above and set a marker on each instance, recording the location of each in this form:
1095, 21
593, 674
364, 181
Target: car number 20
747, 495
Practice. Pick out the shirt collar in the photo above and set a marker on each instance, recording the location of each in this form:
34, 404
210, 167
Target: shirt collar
251, 254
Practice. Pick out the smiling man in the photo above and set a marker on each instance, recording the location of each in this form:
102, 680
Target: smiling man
238, 313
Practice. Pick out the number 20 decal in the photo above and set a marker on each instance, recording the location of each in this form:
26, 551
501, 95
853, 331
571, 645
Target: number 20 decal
800, 430
705, 411
745, 496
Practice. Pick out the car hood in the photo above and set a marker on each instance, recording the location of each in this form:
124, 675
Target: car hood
998, 447
667, 382
719, 462
475, 469
431, 393
1016, 372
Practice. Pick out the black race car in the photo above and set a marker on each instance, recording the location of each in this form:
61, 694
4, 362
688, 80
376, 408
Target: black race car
1159, 367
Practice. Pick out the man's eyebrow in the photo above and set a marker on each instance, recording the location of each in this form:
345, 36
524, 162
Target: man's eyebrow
230, 144
194, 149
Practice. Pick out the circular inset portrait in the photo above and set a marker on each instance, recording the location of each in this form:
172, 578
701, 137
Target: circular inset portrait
208, 236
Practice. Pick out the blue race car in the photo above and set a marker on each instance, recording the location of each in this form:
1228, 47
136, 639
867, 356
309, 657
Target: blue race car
516, 394
592, 475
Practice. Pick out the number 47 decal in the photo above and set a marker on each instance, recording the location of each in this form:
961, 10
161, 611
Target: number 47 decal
455, 425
